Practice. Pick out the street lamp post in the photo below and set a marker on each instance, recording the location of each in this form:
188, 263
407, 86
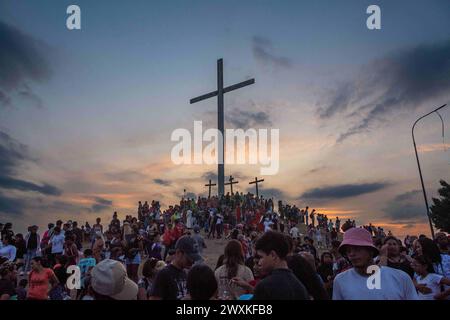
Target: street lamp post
420, 170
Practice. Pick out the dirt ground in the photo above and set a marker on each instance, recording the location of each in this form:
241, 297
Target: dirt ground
215, 247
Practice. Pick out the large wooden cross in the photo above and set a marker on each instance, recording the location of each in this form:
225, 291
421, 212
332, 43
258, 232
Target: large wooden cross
209, 185
220, 118
231, 183
256, 183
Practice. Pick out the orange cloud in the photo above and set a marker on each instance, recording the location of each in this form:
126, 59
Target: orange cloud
433, 147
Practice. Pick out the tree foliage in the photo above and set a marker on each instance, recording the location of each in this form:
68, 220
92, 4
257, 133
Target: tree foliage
440, 210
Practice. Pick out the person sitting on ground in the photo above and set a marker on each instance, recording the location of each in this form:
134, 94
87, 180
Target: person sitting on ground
7, 280
22, 289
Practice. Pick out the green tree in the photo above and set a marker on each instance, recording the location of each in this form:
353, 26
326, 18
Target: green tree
440, 210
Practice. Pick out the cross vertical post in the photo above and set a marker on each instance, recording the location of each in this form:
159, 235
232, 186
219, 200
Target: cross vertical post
256, 183
220, 126
230, 183
209, 185
220, 118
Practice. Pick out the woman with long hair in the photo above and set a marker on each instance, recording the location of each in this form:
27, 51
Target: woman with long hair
306, 274
150, 269
233, 267
391, 256
427, 247
325, 271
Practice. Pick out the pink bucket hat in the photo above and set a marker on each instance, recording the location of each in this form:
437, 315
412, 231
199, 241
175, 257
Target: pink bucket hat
357, 237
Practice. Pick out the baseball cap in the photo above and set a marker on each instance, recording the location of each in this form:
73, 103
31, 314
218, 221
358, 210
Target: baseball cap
189, 246
109, 278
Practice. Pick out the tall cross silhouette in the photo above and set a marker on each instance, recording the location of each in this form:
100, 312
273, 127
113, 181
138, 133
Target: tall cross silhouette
231, 182
209, 185
220, 118
256, 183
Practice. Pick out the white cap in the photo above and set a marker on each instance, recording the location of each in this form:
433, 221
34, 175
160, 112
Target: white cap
109, 278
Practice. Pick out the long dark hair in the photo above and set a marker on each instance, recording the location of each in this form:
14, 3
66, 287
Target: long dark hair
425, 261
201, 282
220, 261
148, 270
430, 250
307, 276
233, 258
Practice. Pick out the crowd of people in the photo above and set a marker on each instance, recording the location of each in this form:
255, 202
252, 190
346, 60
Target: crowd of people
159, 254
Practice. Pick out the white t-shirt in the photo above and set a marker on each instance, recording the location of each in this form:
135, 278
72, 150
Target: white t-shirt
432, 281
318, 235
8, 252
223, 281
294, 232
57, 243
267, 225
394, 285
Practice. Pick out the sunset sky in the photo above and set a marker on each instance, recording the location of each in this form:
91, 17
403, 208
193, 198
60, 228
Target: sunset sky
86, 115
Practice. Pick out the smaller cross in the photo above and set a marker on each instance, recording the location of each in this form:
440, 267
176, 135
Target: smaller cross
209, 185
256, 183
231, 183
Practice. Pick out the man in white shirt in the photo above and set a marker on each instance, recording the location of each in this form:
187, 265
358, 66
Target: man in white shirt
57, 241
7, 250
267, 225
294, 232
367, 281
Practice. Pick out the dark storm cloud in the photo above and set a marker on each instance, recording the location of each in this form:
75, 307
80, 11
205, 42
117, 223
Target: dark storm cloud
27, 94
65, 207
162, 182
21, 61
275, 193
405, 211
12, 155
101, 204
263, 53
11, 206
343, 191
210, 175
103, 201
249, 114
400, 81
4, 99
243, 119
407, 207
11, 183
408, 195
